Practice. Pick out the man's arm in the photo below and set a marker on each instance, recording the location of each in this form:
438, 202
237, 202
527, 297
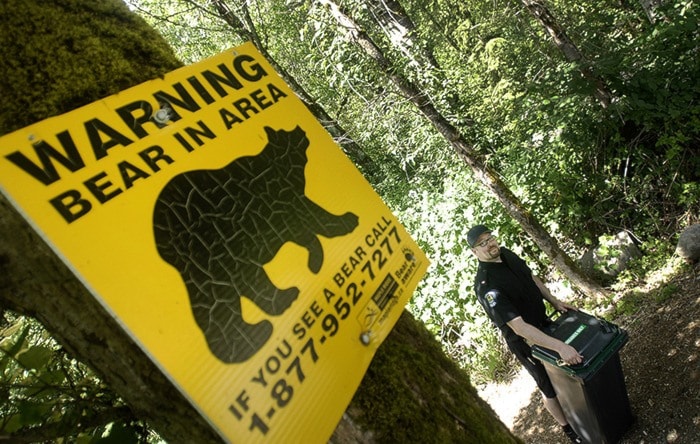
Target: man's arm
556, 303
534, 335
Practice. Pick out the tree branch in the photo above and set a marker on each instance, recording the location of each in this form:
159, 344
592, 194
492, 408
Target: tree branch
68, 427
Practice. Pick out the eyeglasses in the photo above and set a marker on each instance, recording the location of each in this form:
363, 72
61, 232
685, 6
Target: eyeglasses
485, 242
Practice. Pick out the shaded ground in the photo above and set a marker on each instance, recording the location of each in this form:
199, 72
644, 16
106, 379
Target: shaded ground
661, 364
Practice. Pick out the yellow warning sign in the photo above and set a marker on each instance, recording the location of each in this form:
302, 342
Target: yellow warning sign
216, 219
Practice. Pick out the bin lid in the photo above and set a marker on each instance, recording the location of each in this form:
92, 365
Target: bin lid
595, 339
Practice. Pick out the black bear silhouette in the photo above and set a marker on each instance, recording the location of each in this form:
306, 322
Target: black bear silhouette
219, 227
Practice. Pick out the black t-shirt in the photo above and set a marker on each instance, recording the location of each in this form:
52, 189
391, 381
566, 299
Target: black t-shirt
506, 290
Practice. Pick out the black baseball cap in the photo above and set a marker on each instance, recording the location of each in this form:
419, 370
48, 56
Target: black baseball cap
474, 233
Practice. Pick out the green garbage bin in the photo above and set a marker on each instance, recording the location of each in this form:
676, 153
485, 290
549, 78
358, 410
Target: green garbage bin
592, 394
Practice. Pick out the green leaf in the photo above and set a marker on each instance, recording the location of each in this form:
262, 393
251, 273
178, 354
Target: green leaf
35, 357
13, 424
16, 348
33, 413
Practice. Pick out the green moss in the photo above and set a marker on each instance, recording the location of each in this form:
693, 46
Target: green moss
664, 293
55, 59
413, 393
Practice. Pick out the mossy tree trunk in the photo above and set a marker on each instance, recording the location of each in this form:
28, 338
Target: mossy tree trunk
413, 393
57, 56
62, 54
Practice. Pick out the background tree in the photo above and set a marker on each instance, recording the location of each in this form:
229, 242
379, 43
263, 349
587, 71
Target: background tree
540, 11
486, 175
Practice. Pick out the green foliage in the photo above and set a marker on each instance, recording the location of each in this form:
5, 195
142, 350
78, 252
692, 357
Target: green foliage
553, 146
51, 397
582, 169
632, 285
656, 255
665, 293
630, 303
190, 28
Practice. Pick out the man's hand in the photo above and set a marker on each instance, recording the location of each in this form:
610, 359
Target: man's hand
534, 335
563, 307
569, 354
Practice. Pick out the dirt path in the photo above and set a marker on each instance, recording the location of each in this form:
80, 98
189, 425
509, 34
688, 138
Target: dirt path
661, 364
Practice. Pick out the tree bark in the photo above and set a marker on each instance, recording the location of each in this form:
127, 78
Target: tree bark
651, 9
571, 52
411, 374
476, 161
111, 49
400, 30
58, 56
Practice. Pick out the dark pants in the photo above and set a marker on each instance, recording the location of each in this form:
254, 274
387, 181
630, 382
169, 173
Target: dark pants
533, 366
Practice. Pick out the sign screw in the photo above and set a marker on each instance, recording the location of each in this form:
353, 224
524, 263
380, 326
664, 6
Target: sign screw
161, 116
365, 337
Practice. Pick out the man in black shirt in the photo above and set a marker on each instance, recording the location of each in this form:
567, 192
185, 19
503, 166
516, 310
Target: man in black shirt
513, 299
